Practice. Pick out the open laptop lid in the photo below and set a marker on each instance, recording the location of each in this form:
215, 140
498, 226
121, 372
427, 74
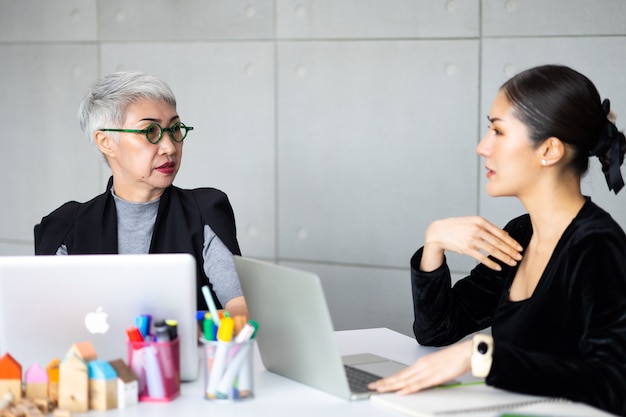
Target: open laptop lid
295, 336
48, 303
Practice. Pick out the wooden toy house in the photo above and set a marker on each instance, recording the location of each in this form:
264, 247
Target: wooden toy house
83, 350
127, 384
53, 379
36, 380
102, 385
10, 376
73, 384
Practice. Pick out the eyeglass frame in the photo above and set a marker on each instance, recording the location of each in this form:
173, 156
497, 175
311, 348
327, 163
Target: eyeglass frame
169, 130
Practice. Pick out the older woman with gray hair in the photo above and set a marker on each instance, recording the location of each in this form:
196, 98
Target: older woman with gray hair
131, 118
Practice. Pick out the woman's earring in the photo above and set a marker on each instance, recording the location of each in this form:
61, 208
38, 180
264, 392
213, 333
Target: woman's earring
544, 162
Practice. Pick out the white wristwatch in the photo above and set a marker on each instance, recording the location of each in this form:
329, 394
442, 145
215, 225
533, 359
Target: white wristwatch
482, 355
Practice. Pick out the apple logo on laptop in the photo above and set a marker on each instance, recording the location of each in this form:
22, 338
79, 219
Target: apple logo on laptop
96, 321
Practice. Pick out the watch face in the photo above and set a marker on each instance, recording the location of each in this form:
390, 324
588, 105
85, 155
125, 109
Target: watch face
482, 348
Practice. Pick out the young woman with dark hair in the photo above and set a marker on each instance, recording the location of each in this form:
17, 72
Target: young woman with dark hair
552, 283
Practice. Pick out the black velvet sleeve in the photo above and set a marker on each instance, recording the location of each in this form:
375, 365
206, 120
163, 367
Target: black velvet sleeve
445, 314
593, 307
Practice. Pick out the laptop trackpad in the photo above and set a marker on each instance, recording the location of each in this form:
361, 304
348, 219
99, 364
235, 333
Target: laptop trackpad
374, 364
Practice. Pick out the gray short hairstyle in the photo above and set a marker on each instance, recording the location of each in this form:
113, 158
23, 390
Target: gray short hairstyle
105, 103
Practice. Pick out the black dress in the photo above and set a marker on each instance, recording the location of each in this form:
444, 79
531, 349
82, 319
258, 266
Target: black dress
568, 339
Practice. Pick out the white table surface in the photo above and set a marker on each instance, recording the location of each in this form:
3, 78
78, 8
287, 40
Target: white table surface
277, 396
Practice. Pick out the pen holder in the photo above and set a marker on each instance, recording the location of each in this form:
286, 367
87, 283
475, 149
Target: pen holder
157, 366
228, 371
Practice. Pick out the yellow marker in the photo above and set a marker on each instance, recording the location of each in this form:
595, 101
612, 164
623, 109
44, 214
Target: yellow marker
224, 337
225, 331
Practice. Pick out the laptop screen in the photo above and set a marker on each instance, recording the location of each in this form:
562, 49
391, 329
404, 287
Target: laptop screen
49, 303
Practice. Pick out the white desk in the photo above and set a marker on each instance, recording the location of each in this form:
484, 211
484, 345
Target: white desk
279, 396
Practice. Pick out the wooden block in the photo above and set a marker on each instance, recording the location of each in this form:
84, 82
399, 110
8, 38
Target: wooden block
53, 391
36, 390
73, 385
53, 379
12, 386
103, 394
6, 400
127, 384
36, 381
10, 376
62, 413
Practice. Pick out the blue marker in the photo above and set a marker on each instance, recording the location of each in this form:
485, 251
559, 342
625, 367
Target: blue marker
142, 322
200, 317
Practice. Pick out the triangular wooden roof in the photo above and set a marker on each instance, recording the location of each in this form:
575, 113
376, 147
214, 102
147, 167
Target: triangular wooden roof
9, 367
124, 372
83, 350
53, 370
101, 370
35, 373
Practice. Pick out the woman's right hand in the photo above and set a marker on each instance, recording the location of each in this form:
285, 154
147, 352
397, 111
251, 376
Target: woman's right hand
473, 236
431, 370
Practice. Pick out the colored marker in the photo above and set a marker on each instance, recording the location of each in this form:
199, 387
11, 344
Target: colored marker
239, 355
162, 331
244, 377
154, 380
200, 316
163, 338
208, 327
224, 338
172, 327
209, 302
134, 335
137, 364
142, 322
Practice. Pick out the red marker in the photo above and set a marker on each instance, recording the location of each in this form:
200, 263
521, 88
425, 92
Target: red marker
134, 335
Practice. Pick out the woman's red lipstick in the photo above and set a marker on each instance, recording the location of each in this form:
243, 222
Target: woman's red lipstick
166, 168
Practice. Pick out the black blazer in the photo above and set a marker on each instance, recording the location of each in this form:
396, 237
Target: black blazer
91, 227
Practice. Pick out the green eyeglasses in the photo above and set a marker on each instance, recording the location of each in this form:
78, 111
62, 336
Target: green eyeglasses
154, 132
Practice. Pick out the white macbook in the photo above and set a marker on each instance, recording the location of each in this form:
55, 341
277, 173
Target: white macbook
48, 303
295, 336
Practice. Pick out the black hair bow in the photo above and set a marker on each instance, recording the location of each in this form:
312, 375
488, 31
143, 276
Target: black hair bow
609, 140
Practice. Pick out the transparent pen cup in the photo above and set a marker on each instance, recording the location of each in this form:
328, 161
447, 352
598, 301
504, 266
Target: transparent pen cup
228, 370
157, 366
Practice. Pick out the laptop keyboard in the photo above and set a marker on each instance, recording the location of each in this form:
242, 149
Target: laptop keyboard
359, 379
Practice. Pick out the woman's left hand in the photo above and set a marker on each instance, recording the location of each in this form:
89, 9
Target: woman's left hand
434, 369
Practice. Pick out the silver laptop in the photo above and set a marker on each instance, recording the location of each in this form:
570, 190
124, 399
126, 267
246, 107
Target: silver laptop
48, 303
295, 336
